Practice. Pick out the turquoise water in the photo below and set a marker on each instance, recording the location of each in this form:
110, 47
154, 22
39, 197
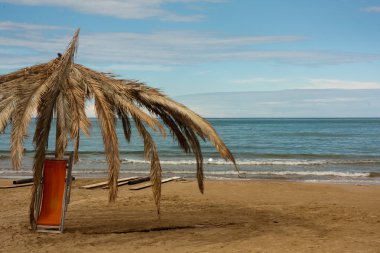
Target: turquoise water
336, 150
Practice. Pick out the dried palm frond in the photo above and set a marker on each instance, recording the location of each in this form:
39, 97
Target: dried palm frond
62, 87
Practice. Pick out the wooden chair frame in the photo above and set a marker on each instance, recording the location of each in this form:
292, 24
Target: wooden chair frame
68, 157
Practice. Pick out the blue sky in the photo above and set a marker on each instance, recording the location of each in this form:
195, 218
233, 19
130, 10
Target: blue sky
194, 46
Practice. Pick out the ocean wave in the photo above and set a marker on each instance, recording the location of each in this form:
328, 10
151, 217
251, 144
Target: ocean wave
355, 181
306, 162
286, 162
4, 157
266, 173
292, 173
309, 173
243, 173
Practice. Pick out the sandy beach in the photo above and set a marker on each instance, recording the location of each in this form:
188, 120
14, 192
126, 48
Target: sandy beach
232, 216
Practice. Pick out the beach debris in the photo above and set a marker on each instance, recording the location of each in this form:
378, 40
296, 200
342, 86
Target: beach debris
29, 180
15, 185
103, 183
131, 182
23, 181
146, 185
138, 181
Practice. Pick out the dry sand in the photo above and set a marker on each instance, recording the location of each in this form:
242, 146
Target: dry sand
238, 216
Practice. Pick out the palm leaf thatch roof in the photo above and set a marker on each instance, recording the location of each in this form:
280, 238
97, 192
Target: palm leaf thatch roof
60, 87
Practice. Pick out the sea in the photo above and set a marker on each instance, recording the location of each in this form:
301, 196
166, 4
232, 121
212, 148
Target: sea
344, 150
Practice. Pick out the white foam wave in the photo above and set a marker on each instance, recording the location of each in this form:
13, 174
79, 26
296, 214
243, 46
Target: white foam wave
344, 181
310, 173
286, 162
263, 173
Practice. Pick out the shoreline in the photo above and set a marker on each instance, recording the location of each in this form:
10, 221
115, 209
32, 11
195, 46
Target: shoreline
365, 182
232, 216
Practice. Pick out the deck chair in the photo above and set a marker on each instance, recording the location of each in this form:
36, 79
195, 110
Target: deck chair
53, 194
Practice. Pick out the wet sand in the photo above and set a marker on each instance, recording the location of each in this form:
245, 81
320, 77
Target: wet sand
232, 216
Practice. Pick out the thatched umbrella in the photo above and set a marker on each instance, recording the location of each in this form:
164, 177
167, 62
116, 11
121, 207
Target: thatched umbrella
61, 87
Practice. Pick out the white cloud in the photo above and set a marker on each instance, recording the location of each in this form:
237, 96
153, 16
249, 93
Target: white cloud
203, 72
305, 57
373, 9
341, 84
331, 100
10, 26
131, 67
153, 51
156, 48
124, 9
38, 43
170, 47
177, 47
259, 80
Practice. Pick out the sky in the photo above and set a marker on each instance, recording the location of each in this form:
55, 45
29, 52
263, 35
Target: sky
203, 46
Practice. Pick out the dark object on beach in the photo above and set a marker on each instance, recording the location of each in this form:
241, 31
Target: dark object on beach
15, 186
60, 89
139, 180
23, 181
104, 183
149, 184
125, 182
29, 180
